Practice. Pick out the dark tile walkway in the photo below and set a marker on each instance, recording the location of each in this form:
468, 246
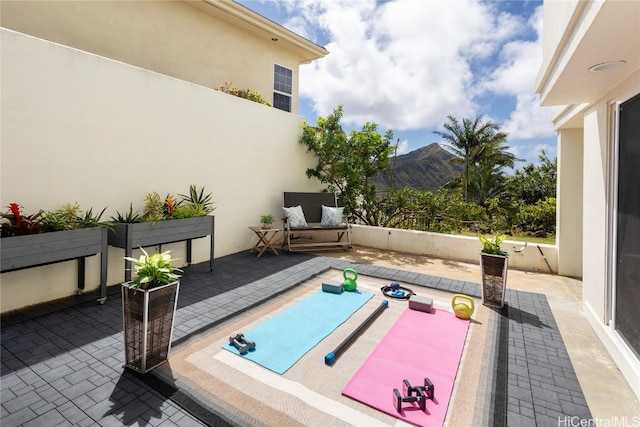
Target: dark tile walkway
62, 363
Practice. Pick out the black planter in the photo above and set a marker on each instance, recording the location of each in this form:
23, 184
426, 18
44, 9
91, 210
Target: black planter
20, 252
132, 236
148, 316
494, 279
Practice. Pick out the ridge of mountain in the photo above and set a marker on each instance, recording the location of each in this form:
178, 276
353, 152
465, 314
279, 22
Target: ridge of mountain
427, 168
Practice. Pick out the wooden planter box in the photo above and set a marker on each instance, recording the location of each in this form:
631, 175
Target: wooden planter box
132, 236
20, 252
494, 279
148, 316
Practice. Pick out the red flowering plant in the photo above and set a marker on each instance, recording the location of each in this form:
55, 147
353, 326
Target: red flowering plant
68, 217
17, 224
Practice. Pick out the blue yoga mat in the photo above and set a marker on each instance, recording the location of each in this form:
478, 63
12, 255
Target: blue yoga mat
282, 340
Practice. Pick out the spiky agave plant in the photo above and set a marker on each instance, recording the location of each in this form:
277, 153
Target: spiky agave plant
129, 217
200, 201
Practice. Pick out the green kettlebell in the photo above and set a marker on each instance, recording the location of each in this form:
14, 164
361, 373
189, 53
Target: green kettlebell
463, 310
349, 283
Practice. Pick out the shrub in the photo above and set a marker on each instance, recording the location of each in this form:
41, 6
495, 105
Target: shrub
538, 218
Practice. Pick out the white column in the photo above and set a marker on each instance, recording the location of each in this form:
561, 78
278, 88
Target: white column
569, 202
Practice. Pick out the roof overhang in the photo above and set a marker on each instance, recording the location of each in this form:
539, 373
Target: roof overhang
261, 27
598, 32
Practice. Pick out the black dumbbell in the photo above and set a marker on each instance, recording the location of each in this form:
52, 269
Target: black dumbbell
418, 394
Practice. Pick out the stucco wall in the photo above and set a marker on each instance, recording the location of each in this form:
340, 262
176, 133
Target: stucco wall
569, 199
557, 15
597, 198
459, 248
170, 37
77, 127
598, 149
594, 208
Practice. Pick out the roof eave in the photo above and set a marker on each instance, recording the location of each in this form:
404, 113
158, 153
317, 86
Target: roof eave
262, 27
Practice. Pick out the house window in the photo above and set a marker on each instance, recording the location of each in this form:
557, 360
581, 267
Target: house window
282, 87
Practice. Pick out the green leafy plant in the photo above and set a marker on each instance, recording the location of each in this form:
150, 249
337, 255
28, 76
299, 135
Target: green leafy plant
186, 211
252, 95
492, 246
197, 200
71, 217
89, 220
153, 270
538, 218
17, 224
194, 204
153, 210
129, 217
267, 219
66, 216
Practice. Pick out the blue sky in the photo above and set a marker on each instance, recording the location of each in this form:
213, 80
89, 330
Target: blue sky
408, 64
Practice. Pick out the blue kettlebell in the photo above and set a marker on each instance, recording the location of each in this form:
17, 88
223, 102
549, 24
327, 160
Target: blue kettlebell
350, 284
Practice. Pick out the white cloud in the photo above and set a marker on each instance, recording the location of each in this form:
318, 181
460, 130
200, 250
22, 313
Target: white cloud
520, 62
404, 64
529, 119
403, 147
530, 151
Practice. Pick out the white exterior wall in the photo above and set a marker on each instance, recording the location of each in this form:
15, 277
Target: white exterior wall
578, 35
594, 209
598, 146
173, 38
569, 200
82, 128
556, 17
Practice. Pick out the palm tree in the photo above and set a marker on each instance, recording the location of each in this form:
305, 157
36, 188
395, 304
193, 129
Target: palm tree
479, 145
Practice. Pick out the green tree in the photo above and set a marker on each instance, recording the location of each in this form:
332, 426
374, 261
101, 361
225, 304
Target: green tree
441, 212
348, 162
479, 146
535, 182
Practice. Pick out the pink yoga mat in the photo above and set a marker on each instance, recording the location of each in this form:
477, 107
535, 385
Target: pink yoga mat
418, 345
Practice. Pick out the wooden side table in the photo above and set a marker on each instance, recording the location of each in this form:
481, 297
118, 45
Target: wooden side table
265, 236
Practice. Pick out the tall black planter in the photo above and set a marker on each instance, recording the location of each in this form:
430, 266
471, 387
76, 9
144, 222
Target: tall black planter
20, 252
132, 236
148, 316
494, 279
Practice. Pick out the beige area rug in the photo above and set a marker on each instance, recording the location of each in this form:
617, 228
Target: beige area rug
241, 392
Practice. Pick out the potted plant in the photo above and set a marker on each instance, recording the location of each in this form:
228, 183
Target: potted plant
149, 303
46, 237
267, 221
494, 265
164, 221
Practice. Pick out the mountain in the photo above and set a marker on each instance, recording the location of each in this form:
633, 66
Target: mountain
427, 168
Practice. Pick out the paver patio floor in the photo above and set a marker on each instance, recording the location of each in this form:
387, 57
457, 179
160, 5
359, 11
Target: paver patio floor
62, 363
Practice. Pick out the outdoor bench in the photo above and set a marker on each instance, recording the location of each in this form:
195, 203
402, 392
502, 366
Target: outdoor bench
310, 221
